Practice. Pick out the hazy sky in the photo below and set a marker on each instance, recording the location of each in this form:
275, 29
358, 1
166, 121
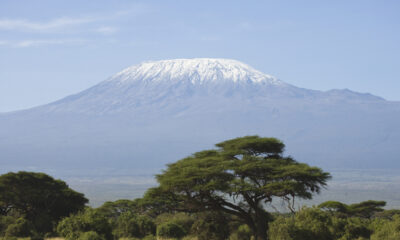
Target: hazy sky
50, 49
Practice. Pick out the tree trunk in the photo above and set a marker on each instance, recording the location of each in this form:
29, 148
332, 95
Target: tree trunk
260, 226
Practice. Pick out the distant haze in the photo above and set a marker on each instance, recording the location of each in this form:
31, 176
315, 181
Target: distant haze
158, 112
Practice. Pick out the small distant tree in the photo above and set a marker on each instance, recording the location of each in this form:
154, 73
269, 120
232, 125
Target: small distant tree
239, 178
38, 198
364, 209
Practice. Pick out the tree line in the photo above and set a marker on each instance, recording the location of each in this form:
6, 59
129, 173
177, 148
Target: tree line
222, 193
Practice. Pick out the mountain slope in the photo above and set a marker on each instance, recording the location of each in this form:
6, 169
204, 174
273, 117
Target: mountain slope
157, 112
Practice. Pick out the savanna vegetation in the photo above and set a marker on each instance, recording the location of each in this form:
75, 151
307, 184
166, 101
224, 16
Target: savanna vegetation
224, 193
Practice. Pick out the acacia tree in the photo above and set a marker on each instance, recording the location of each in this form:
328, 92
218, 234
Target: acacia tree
364, 209
240, 178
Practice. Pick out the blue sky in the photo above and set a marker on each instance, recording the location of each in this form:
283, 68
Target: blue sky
50, 49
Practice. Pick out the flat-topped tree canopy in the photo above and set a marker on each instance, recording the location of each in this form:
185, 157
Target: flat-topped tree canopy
252, 145
240, 177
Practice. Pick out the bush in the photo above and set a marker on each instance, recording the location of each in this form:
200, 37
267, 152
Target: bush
388, 230
243, 233
21, 228
149, 237
355, 228
280, 228
87, 221
130, 225
211, 226
312, 223
91, 235
170, 230
36, 236
182, 219
9, 238
5, 221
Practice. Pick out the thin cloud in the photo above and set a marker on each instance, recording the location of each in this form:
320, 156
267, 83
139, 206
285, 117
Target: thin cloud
106, 30
210, 38
60, 23
41, 42
25, 25
245, 26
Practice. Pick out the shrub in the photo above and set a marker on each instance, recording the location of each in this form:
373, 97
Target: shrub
242, 233
21, 228
211, 226
91, 235
355, 228
388, 230
308, 223
89, 220
170, 230
312, 223
183, 219
130, 225
10, 238
149, 237
5, 221
280, 228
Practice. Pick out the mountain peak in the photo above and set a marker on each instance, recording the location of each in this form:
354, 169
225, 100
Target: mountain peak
194, 71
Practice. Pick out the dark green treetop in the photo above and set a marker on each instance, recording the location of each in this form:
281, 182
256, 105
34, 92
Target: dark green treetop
38, 198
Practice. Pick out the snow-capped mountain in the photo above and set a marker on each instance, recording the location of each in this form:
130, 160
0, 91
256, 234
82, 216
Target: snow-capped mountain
167, 82
157, 112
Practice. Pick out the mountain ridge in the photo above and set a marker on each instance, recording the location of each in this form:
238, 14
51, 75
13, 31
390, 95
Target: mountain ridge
168, 81
132, 124
195, 75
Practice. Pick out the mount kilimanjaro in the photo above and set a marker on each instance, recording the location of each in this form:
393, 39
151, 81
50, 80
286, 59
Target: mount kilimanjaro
158, 112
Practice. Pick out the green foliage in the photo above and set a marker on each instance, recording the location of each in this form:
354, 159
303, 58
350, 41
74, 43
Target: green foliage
39, 198
280, 228
112, 210
182, 219
334, 206
387, 214
312, 223
91, 235
150, 237
156, 201
211, 226
20, 228
131, 225
242, 233
250, 170
5, 221
10, 238
386, 229
355, 228
252, 145
89, 220
170, 230
365, 209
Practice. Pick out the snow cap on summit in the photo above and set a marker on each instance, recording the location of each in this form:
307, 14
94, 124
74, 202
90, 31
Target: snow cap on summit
195, 71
